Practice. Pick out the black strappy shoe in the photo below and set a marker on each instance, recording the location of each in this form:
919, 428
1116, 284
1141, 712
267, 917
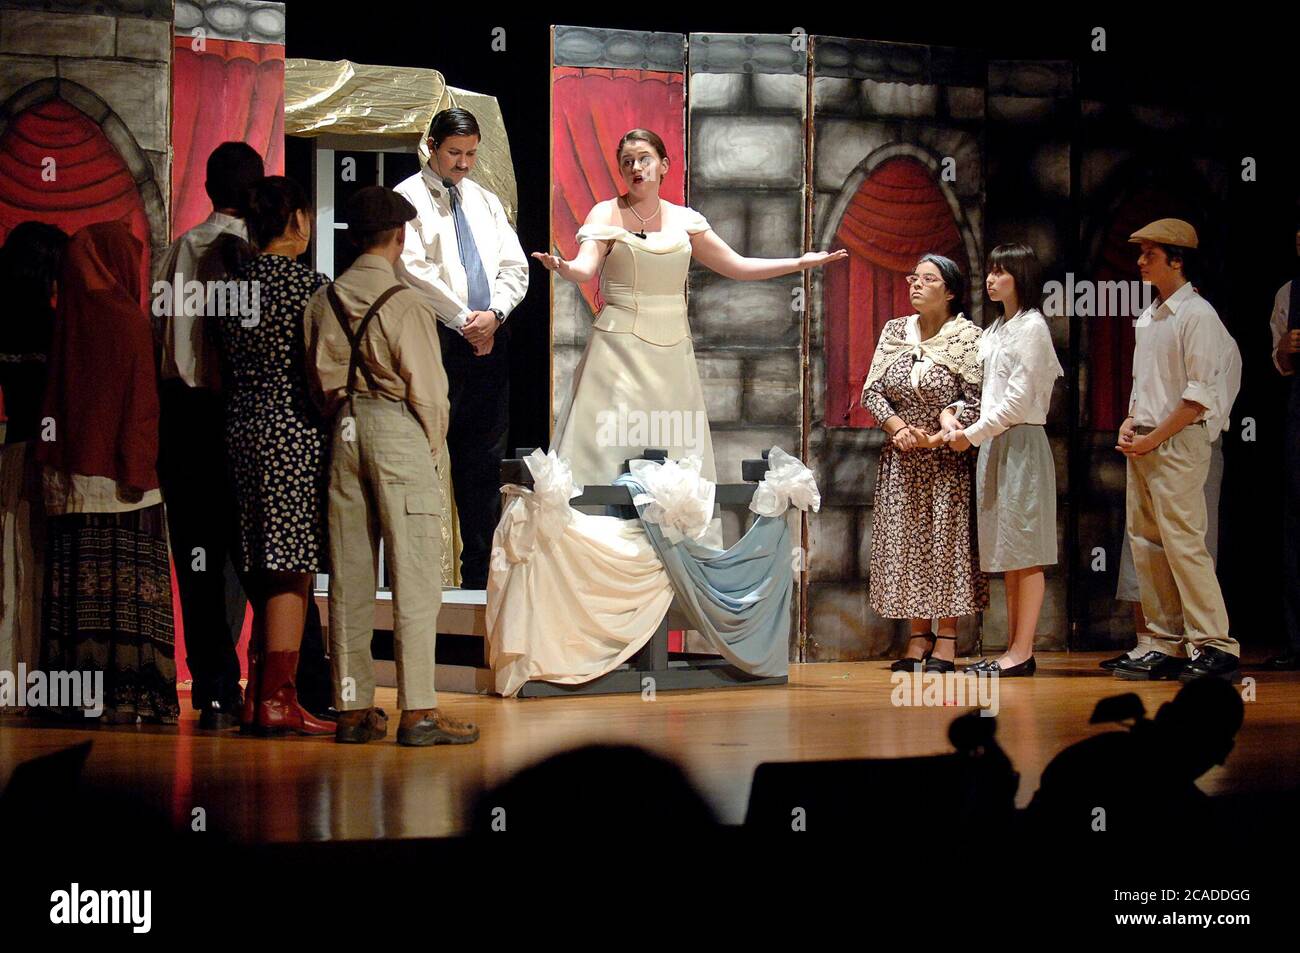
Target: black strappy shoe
939, 665
912, 664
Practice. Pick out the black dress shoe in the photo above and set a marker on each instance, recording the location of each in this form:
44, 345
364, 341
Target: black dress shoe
1023, 670
328, 713
1111, 664
1150, 667
220, 715
1288, 661
1211, 663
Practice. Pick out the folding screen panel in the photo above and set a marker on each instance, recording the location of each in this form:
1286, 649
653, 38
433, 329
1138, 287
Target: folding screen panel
748, 104
1137, 162
1028, 140
228, 69
897, 170
603, 83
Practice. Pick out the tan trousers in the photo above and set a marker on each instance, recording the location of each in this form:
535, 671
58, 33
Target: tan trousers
1181, 598
383, 485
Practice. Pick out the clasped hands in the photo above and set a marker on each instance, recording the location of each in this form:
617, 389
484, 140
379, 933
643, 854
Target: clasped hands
949, 435
479, 331
1133, 444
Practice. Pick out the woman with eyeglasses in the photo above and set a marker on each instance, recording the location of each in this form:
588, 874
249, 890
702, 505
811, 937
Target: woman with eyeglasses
1015, 474
924, 564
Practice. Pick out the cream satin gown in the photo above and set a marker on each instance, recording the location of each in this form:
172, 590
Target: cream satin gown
637, 384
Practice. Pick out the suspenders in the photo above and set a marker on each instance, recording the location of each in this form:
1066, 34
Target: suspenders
357, 362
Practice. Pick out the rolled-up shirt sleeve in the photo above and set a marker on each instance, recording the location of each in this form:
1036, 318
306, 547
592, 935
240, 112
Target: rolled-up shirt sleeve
1201, 345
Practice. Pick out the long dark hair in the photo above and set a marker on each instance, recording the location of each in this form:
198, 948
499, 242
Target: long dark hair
952, 277
32, 258
1020, 262
270, 207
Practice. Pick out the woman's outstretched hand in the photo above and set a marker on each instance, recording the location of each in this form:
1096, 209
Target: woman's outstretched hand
556, 264
815, 259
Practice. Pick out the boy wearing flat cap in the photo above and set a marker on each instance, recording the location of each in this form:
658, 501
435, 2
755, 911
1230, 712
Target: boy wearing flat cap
1179, 383
375, 365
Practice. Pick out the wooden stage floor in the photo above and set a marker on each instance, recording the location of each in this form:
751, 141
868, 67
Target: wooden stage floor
259, 790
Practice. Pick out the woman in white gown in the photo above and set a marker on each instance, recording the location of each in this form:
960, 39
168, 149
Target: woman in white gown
637, 384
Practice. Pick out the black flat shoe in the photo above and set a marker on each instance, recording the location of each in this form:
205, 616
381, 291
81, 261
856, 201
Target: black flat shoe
1111, 664
1288, 661
912, 664
1023, 670
1151, 667
939, 665
980, 666
1211, 663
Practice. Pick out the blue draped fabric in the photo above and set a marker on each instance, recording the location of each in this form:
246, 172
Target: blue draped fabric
739, 600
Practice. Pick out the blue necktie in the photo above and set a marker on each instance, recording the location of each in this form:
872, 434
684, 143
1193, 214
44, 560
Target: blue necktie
480, 292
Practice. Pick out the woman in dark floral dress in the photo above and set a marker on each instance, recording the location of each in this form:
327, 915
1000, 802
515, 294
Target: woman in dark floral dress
924, 562
276, 443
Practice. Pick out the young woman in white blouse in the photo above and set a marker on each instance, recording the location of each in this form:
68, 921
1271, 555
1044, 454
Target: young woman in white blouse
1015, 474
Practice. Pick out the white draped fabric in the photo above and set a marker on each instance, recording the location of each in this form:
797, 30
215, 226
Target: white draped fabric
572, 596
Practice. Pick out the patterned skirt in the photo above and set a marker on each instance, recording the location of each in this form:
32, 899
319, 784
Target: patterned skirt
108, 609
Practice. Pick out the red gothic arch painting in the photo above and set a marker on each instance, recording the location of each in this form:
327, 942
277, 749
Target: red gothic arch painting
58, 166
898, 213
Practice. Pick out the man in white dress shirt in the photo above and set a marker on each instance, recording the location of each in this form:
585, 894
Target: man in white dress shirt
1176, 383
192, 450
463, 255
1285, 327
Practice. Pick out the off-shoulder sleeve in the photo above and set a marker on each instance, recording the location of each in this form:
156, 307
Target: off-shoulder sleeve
694, 222
598, 233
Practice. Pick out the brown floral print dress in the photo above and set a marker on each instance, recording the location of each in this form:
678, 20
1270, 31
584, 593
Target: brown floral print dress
924, 556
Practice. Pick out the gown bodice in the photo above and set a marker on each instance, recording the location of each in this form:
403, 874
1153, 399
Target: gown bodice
643, 281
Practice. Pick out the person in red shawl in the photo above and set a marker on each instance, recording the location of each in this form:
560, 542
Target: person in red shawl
108, 600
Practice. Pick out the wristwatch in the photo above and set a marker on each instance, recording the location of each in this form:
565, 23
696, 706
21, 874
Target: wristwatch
500, 316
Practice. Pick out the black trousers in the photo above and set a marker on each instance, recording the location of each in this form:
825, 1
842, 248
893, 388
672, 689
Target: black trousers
479, 394
1291, 519
201, 524
201, 515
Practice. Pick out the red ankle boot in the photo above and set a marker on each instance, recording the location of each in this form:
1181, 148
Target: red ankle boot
248, 714
277, 709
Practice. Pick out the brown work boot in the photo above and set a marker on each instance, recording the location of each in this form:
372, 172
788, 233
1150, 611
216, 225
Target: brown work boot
358, 727
429, 726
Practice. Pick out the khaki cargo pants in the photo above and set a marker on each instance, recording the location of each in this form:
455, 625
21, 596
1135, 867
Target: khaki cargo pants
383, 485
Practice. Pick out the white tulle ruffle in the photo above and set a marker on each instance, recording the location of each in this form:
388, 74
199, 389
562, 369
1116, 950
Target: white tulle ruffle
676, 497
787, 483
545, 509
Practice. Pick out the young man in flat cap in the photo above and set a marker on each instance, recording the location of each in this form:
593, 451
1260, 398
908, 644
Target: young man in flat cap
1178, 384
1285, 328
464, 257
374, 362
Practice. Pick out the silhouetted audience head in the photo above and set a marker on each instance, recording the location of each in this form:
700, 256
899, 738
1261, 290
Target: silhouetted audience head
1200, 723
596, 789
1122, 780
